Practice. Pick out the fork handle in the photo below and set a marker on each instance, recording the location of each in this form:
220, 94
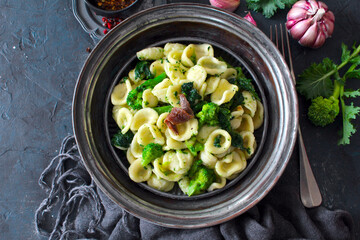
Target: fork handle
309, 190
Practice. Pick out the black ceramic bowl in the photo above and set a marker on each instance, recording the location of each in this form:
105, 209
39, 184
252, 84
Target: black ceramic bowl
110, 13
233, 37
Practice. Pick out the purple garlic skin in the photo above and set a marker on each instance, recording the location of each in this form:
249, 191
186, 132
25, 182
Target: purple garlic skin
310, 22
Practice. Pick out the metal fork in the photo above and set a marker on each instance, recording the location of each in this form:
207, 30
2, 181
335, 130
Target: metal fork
309, 190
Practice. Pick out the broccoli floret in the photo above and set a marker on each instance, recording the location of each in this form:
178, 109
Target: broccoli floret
190, 93
163, 109
224, 117
200, 178
122, 141
150, 153
194, 146
323, 111
209, 114
142, 70
134, 98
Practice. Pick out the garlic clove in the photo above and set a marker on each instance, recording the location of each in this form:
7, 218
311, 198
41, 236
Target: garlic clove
296, 13
309, 37
299, 29
320, 40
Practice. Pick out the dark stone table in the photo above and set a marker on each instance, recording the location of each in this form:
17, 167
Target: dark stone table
42, 49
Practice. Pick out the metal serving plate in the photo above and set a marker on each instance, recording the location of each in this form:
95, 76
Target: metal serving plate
185, 22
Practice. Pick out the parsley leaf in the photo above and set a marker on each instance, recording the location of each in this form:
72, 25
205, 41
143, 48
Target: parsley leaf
352, 93
345, 55
268, 7
349, 113
316, 80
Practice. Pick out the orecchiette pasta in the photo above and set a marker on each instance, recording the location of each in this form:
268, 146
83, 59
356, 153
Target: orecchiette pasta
149, 133
120, 92
135, 148
219, 183
258, 118
212, 84
185, 130
196, 74
249, 143
204, 133
188, 57
138, 173
224, 92
171, 143
212, 65
232, 163
130, 157
123, 118
249, 103
152, 53
179, 161
176, 72
174, 57
173, 46
195, 137
149, 99
203, 50
160, 90
246, 123
219, 141
162, 170
172, 95
208, 159
160, 122
229, 73
159, 183
145, 115
157, 67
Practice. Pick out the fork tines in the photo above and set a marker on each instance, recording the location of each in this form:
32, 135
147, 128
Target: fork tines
282, 29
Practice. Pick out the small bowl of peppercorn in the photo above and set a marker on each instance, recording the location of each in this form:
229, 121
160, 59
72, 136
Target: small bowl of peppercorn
111, 8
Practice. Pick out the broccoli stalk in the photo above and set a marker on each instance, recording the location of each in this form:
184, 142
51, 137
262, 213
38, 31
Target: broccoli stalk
163, 109
151, 152
134, 98
200, 178
122, 141
323, 111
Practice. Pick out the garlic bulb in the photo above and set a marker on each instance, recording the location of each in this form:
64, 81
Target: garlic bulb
229, 5
310, 22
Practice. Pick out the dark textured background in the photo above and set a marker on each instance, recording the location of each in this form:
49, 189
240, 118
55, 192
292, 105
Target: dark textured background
42, 49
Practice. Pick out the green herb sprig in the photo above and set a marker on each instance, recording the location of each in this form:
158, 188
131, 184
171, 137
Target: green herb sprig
322, 84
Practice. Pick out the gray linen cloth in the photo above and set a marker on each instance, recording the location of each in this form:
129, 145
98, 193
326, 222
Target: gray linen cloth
77, 209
